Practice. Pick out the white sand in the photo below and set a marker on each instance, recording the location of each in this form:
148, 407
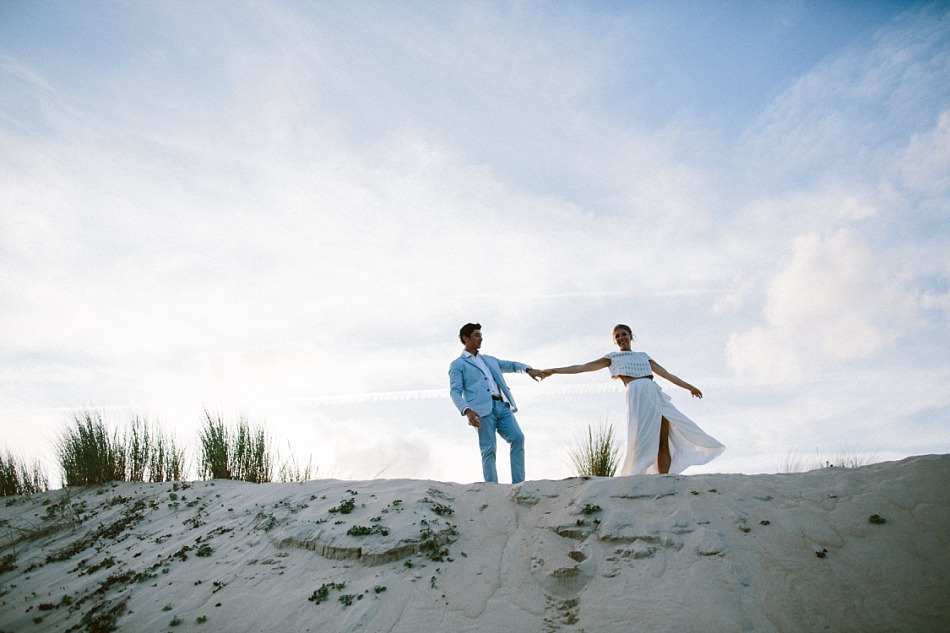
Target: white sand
710, 553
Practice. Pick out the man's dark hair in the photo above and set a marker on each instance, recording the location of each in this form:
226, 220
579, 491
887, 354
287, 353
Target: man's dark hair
467, 330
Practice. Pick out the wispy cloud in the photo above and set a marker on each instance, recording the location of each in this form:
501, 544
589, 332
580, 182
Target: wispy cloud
24, 72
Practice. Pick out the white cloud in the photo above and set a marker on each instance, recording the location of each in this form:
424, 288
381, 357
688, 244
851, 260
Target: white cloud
832, 301
850, 244
926, 162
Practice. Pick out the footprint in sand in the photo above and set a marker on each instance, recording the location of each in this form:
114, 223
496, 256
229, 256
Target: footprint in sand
563, 612
560, 566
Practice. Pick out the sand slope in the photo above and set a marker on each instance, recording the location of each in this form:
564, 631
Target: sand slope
796, 552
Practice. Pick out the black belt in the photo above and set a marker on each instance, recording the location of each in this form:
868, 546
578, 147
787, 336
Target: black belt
498, 398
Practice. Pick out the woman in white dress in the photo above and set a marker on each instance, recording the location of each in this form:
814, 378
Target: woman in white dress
660, 439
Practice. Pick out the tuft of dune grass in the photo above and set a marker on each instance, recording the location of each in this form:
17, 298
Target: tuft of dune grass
290, 471
241, 451
215, 447
597, 455
88, 453
844, 457
20, 477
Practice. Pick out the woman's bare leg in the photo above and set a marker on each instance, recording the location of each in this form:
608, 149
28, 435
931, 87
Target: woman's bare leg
663, 457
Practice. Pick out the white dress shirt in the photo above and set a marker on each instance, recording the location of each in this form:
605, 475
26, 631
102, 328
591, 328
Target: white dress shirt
495, 391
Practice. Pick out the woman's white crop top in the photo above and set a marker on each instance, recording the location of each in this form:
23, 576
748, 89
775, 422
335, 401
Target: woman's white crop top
633, 364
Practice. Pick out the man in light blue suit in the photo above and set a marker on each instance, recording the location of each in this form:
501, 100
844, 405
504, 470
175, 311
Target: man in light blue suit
481, 394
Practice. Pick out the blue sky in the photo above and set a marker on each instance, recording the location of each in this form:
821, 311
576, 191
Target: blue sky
289, 209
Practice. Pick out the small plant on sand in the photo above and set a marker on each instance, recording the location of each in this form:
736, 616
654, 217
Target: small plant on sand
346, 506
204, 551
8, 563
347, 599
17, 477
321, 594
362, 530
438, 508
598, 455
63, 510
432, 545
103, 616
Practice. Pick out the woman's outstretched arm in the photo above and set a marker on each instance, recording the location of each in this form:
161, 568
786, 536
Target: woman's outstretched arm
593, 365
676, 380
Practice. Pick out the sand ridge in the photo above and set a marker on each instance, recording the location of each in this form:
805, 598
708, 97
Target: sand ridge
865, 549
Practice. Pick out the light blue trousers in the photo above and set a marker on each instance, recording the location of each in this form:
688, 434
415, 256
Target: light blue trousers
501, 421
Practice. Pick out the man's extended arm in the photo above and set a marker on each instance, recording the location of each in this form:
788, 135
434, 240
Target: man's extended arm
510, 366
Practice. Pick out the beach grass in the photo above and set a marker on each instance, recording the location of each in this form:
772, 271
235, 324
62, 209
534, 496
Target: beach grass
88, 453
597, 454
844, 457
215, 447
167, 460
290, 471
240, 451
21, 477
138, 448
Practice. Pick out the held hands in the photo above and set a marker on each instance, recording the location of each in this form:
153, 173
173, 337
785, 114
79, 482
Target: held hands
536, 375
544, 373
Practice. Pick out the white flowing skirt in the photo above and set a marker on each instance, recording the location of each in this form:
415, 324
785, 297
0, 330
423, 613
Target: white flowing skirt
647, 405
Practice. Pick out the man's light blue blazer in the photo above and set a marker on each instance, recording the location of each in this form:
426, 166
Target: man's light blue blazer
469, 386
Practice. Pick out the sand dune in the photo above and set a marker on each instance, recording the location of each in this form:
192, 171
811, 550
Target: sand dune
864, 549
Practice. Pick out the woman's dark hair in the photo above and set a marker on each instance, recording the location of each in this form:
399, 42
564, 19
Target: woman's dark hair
621, 326
467, 330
